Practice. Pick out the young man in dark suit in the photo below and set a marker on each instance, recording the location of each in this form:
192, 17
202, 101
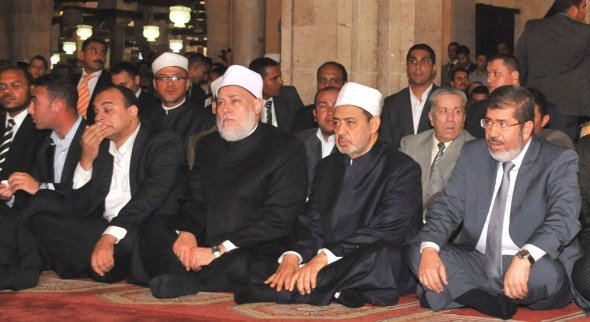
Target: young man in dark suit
406, 112
127, 174
93, 77
281, 103
52, 107
20, 140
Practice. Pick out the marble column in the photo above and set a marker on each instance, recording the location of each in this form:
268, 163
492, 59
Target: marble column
218, 27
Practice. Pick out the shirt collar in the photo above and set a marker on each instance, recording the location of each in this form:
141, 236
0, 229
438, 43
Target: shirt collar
321, 137
18, 118
96, 74
138, 92
69, 136
125, 147
424, 95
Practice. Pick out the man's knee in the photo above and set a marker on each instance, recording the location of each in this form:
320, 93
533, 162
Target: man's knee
549, 274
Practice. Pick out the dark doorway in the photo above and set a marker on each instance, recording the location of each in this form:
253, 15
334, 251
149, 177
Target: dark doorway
493, 25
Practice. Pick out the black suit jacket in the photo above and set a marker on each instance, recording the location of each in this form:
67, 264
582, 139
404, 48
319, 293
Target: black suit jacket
377, 197
554, 56
22, 154
147, 103
103, 81
43, 169
396, 118
304, 119
287, 104
313, 149
197, 95
156, 176
475, 112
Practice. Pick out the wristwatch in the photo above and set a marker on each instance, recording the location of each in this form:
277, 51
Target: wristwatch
216, 251
524, 254
43, 186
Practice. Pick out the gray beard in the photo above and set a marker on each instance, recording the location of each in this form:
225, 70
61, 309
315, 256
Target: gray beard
506, 156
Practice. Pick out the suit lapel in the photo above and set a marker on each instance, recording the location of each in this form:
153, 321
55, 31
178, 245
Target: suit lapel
74, 153
136, 153
486, 184
280, 110
524, 175
406, 113
425, 156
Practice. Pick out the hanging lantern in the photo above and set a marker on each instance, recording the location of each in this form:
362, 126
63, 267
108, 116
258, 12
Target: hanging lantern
151, 32
180, 15
55, 58
69, 47
84, 31
176, 45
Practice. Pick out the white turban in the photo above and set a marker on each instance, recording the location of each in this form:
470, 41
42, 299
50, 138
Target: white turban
169, 60
367, 98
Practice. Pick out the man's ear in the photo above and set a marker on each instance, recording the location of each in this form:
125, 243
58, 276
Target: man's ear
374, 124
546, 118
133, 111
258, 105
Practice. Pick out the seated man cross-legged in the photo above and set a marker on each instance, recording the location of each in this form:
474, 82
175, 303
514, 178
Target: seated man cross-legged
365, 202
126, 174
518, 198
247, 186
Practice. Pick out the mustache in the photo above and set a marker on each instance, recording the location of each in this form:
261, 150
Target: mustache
495, 140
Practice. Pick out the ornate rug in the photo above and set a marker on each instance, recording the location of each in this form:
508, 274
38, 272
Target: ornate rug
83, 300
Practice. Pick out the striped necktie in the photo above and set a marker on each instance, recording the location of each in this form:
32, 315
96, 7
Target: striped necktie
83, 96
439, 154
6, 141
268, 107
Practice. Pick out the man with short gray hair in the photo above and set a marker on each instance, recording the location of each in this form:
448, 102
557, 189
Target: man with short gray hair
437, 150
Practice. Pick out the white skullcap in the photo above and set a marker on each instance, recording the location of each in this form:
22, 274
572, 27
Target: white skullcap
169, 60
367, 98
215, 85
243, 77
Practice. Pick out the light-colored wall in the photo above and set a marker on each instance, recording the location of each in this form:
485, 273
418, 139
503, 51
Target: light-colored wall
369, 37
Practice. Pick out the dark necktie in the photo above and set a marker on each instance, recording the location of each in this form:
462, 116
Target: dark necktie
437, 157
6, 141
268, 106
495, 225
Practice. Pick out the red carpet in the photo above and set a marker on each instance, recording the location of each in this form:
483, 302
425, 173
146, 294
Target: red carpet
83, 300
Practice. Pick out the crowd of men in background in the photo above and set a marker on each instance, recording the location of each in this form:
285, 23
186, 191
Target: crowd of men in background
467, 194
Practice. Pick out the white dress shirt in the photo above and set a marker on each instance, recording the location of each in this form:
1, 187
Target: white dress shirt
92, 81
274, 113
418, 106
327, 145
62, 146
508, 245
435, 143
120, 189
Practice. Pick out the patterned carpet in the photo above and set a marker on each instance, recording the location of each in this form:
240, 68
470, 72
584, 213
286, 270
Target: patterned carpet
83, 300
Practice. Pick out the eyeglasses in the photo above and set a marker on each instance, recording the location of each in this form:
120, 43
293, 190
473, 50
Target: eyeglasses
503, 125
174, 78
13, 85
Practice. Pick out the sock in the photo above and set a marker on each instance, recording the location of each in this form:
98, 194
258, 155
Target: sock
496, 305
171, 286
351, 298
424, 301
253, 293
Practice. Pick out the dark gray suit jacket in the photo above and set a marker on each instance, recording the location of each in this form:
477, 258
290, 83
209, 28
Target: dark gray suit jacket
419, 148
313, 148
396, 118
287, 104
545, 204
554, 56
